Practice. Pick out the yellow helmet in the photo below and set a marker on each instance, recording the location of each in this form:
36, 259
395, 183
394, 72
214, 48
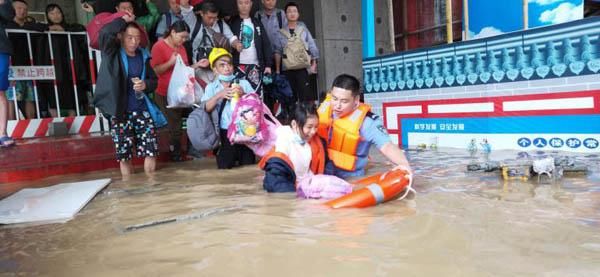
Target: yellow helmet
215, 54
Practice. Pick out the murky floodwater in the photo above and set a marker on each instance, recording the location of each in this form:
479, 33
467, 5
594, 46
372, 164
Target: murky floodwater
194, 220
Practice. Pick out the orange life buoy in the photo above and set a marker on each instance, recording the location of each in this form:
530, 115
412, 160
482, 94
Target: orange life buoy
380, 188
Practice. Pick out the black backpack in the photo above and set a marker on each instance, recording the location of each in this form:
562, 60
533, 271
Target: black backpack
279, 18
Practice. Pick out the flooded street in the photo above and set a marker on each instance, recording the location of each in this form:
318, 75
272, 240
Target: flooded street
195, 220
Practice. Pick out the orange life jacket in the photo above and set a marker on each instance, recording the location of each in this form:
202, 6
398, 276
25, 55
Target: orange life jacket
345, 134
317, 162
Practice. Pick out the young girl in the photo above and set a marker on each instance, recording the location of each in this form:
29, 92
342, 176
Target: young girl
298, 159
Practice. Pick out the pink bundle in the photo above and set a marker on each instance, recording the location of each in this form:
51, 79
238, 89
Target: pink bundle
323, 186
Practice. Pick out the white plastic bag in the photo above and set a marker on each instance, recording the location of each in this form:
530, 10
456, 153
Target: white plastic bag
184, 91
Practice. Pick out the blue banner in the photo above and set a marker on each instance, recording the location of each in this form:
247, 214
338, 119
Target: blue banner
563, 124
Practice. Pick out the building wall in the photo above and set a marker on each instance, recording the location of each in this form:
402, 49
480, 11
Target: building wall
531, 90
339, 37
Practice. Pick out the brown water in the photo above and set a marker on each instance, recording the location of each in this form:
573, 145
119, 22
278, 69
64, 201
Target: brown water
223, 224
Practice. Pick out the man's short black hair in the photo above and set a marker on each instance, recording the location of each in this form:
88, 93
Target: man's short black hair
348, 82
291, 4
22, 1
209, 6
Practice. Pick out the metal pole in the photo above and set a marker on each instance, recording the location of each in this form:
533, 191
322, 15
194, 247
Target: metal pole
55, 84
525, 15
35, 91
92, 69
73, 75
93, 72
449, 35
466, 18
390, 6
368, 28
405, 24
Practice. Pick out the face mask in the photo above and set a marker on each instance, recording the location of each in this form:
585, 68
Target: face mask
226, 78
298, 139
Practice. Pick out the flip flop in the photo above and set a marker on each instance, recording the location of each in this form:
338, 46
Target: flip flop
6, 141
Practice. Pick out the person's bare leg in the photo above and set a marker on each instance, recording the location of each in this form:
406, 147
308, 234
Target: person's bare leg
3, 113
10, 113
30, 109
149, 165
126, 168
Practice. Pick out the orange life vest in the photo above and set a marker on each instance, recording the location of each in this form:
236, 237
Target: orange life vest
317, 162
345, 134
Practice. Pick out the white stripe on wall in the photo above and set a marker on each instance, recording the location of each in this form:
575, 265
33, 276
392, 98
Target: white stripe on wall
550, 104
462, 108
392, 112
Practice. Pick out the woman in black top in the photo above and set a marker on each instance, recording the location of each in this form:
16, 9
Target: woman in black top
62, 65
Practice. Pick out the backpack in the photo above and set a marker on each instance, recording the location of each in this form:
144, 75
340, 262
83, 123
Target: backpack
203, 127
209, 39
97, 23
295, 54
249, 125
279, 18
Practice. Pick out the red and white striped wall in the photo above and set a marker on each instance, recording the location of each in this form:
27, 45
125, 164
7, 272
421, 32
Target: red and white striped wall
30, 128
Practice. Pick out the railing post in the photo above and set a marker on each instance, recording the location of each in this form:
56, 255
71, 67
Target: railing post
35, 91
73, 74
59, 115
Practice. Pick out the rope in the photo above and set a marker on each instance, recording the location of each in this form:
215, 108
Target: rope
408, 188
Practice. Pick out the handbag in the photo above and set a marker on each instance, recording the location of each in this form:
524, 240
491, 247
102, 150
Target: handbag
159, 118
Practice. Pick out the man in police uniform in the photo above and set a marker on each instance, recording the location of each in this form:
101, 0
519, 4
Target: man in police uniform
350, 129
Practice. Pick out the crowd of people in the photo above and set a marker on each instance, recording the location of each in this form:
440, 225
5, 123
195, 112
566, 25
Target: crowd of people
240, 56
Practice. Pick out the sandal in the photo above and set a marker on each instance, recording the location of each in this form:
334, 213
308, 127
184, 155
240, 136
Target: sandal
6, 141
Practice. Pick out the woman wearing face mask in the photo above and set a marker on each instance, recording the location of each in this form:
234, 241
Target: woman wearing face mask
164, 55
222, 94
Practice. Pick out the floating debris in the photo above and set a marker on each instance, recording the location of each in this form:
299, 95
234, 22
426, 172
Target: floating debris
187, 217
544, 166
516, 172
524, 166
486, 167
